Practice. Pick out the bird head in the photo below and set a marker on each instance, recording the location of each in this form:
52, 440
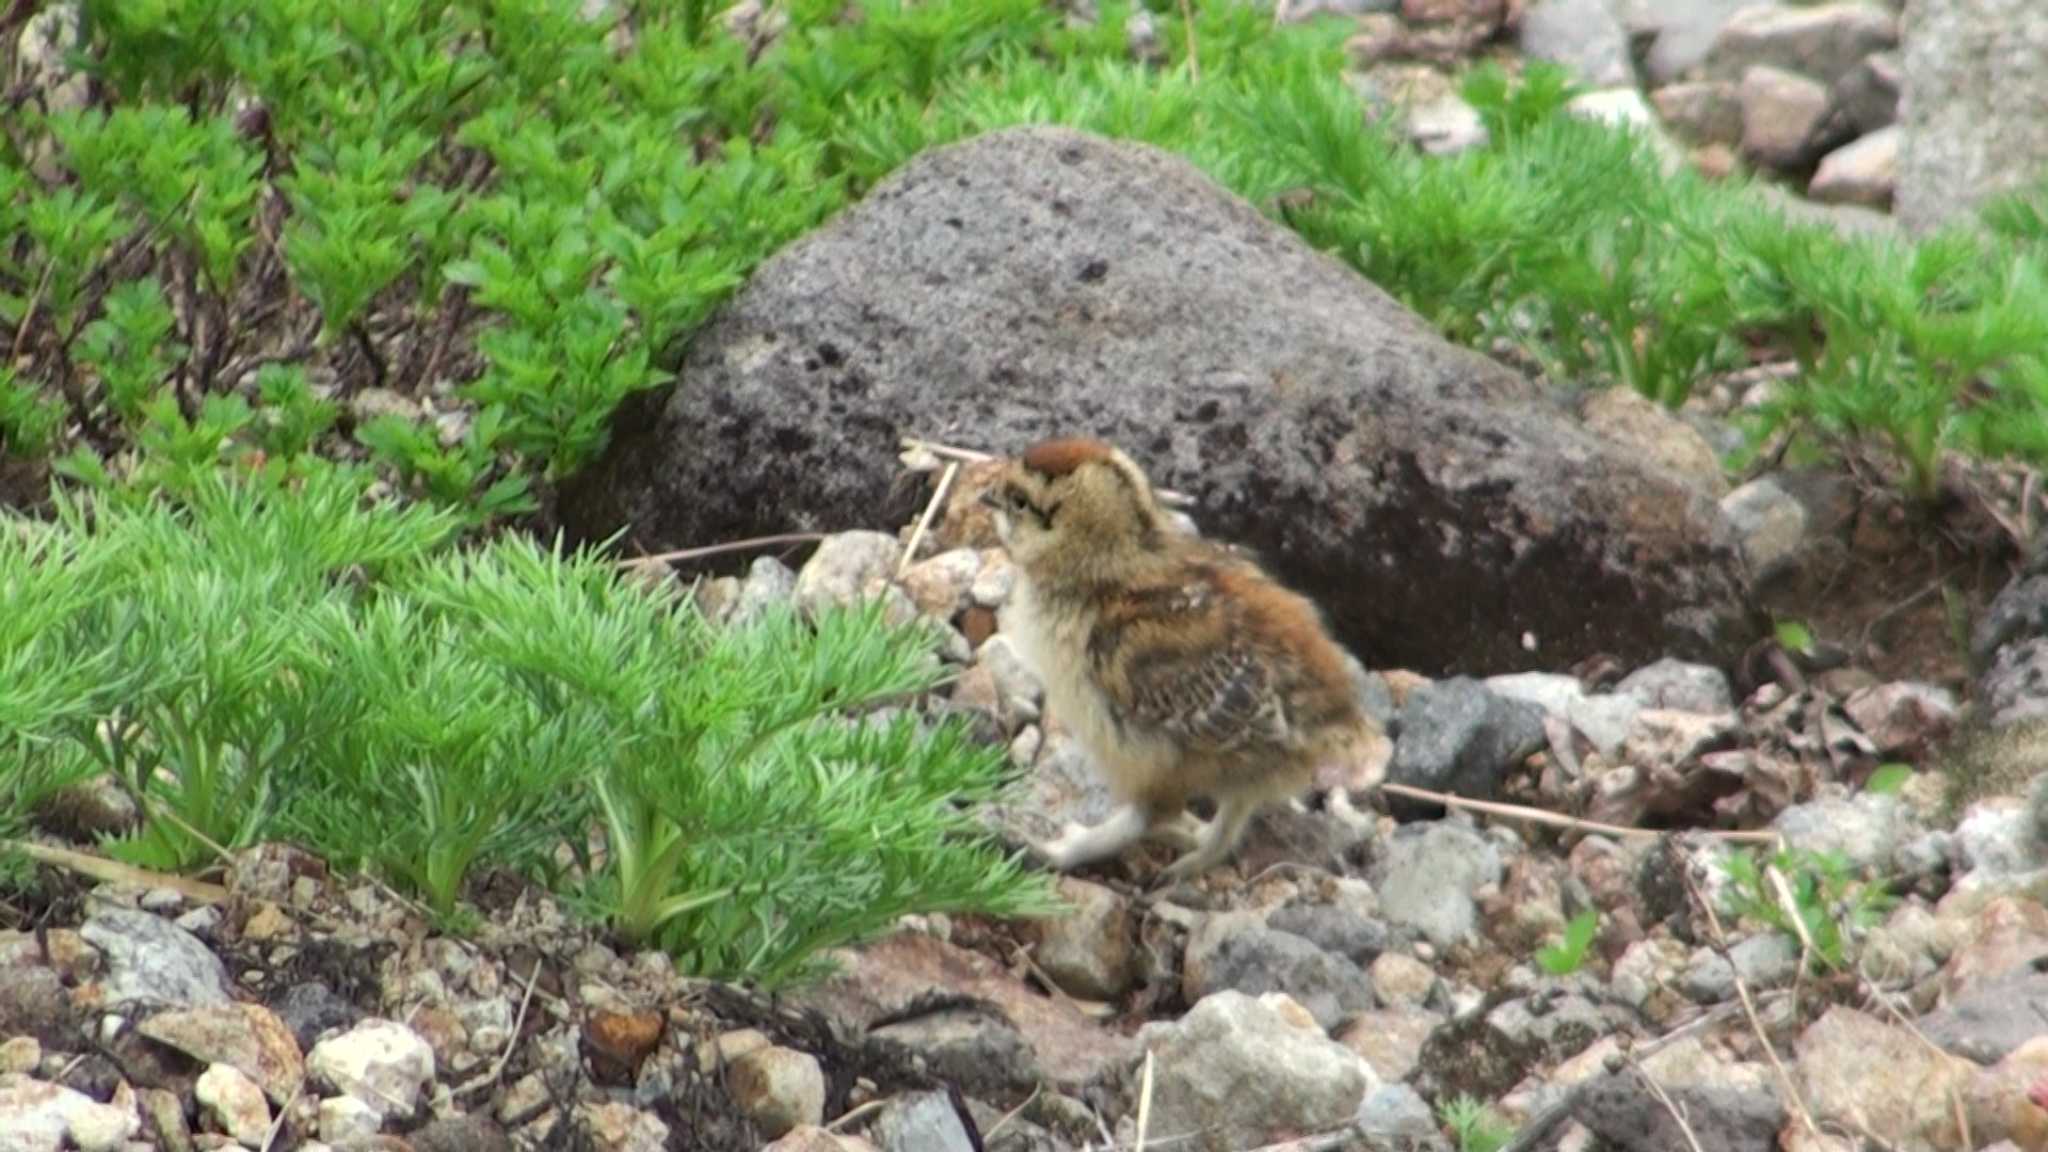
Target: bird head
1072, 504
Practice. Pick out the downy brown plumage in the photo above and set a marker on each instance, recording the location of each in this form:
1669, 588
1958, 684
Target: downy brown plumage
1180, 666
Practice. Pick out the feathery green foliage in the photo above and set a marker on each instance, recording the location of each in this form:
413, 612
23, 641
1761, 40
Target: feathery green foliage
1474, 1125
547, 205
267, 659
1834, 906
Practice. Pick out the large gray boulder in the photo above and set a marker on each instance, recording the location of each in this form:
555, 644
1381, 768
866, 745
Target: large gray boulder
1973, 105
1040, 280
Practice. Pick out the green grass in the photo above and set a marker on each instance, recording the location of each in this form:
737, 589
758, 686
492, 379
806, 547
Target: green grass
1475, 1126
567, 208
271, 661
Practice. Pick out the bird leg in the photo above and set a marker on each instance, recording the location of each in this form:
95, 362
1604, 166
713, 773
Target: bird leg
1183, 833
1082, 844
1218, 839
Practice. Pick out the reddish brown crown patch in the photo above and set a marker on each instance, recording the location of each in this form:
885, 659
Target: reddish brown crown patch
1060, 457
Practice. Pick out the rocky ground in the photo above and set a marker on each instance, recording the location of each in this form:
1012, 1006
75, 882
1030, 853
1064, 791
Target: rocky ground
1807, 94
1347, 973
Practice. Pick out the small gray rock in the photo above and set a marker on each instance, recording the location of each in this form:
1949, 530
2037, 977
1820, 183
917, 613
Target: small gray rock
1866, 829
1622, 1111
1925, 862
1256, 961
2018, 612
151, 961
1334, 928
1676, 686
1823, 41
1087, 951
1681, 33
1864, 172
1990, 1022
1603, 719
1395, 1118
1996, 838
2014, 690
779, 1089
980, 1051
1769, 521
1701, 112
1582, 35
1766, 961
1554, 1026
1903, 718
1867, 96
921, 1122
1784, 118
1459, 737
1241, 1072
311, 1009
769, 585
382, 1063
1428, 875
838, 574
1709, 977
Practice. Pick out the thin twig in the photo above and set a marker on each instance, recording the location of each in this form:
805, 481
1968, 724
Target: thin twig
511, 1043
219, 850
115, 872
1145, 1101
1933, 586
1012, 1114
1756, 1023
852, 1114
1657, 1090
1166, 496
1955, 1098
1559, 819
1782, 892
277, 1125
721, 549
924, 522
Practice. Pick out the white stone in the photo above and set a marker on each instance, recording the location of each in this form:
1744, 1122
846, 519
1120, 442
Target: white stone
235, 1103
380, 1062
345, 1118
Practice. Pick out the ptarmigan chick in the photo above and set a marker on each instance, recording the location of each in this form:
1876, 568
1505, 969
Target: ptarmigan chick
1182, 668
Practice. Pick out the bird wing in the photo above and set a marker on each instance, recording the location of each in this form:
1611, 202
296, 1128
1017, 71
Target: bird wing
1188, 671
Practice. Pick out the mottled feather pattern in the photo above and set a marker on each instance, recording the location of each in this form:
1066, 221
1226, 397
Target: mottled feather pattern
1183, 668
1176, 661
1218, 702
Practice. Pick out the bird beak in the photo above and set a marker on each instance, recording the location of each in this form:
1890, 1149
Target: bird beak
987, 499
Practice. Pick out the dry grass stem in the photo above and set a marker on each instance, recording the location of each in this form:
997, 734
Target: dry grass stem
115, 872
1145, 1100
1872, 992
721, 549
852, 1114
1756, 1023
924, 522
1559, 819
1166, 496
511, 1043
1692, 1139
